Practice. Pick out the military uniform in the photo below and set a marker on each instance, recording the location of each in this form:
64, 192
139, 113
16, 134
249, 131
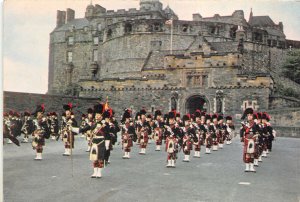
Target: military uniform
249, 135
41, 131
128, 133
158, 127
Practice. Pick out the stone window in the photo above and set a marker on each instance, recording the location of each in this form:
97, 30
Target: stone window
69, 56
96, 40
86, 28
128, 28
257, 36
109, 33
109, 21
185, 27
232, 32
156, 27
95, 55
70, 40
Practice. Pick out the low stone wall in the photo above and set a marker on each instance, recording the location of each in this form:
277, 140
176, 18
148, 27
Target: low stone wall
287, 131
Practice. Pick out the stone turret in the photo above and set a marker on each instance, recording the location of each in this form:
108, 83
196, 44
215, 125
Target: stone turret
89, 12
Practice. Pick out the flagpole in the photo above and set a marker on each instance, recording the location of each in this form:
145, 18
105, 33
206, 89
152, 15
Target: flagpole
171, 40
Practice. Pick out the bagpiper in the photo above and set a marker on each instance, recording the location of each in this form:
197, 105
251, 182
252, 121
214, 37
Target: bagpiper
268, 133
158, 127
209, 131
230, 130
109, 129
28, 126
188, 138
41, 131
128, 133
98, 148
172, 134
7, 130
222, 131
200, 131
88, 121
214, 130
54, 126
144, 131
249, 135
67, 134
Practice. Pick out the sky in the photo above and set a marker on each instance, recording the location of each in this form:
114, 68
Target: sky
27, 25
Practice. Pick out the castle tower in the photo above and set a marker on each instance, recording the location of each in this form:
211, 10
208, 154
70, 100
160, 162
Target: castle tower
150, 5
240, 33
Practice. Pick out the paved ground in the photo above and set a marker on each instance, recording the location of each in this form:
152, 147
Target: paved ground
219, 176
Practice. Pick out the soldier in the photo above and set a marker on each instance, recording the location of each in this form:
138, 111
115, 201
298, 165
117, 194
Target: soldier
67, 134
172, 134
54, 126
144, 131
209, 132
268, 133
215, 132
89, 121
189, 137
158, 129
222, 129
249, 135
7, 130
98, 148
83, 123
109, 129
128, 133
41, 131
230, 130
28, 126
200, 130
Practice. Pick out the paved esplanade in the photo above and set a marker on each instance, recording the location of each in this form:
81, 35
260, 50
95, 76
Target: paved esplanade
218, 176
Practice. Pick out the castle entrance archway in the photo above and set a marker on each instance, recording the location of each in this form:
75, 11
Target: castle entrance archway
195, 102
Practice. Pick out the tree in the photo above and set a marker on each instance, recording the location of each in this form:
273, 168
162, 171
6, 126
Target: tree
291, 66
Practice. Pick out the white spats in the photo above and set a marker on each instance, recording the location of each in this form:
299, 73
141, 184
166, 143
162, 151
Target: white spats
255, 162
88, 149
25, 140
9, 141
207, 151
38, 156
197, 154
143, 151
247, 167
157, 148
99, 174
169, 165
173, 163
259, 159
126, 155
221, 146
264, 154
252, 168
94, 175
67, 152
215, 147
186, 158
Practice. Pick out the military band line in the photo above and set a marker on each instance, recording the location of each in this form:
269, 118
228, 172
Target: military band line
171, 132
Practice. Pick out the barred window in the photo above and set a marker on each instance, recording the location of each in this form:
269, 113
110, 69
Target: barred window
96, 40
95, 55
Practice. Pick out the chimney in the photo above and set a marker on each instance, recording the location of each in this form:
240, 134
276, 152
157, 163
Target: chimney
60, 18
70, 15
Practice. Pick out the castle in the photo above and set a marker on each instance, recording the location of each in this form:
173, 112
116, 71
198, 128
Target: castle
149, 58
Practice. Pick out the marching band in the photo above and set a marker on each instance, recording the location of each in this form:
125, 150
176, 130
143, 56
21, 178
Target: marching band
100, 128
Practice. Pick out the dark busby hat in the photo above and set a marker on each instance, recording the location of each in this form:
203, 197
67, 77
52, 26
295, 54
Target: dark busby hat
149, 116
266, 116
90, 111
126, 115
16, 114
228, 118
259, 115
11, 113
26, 113
68, 106
254, 115
49, 114
54, 114
171, 115
63, 114
215, 116
157, 113
166, 116
220, 117
98, 108
186, 117
106, 114
5, 114
39, 108
246, 112
83, 116
143, 112
197, 113
177, 114
208, 116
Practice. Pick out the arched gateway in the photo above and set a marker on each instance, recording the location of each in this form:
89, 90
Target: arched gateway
196, 102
